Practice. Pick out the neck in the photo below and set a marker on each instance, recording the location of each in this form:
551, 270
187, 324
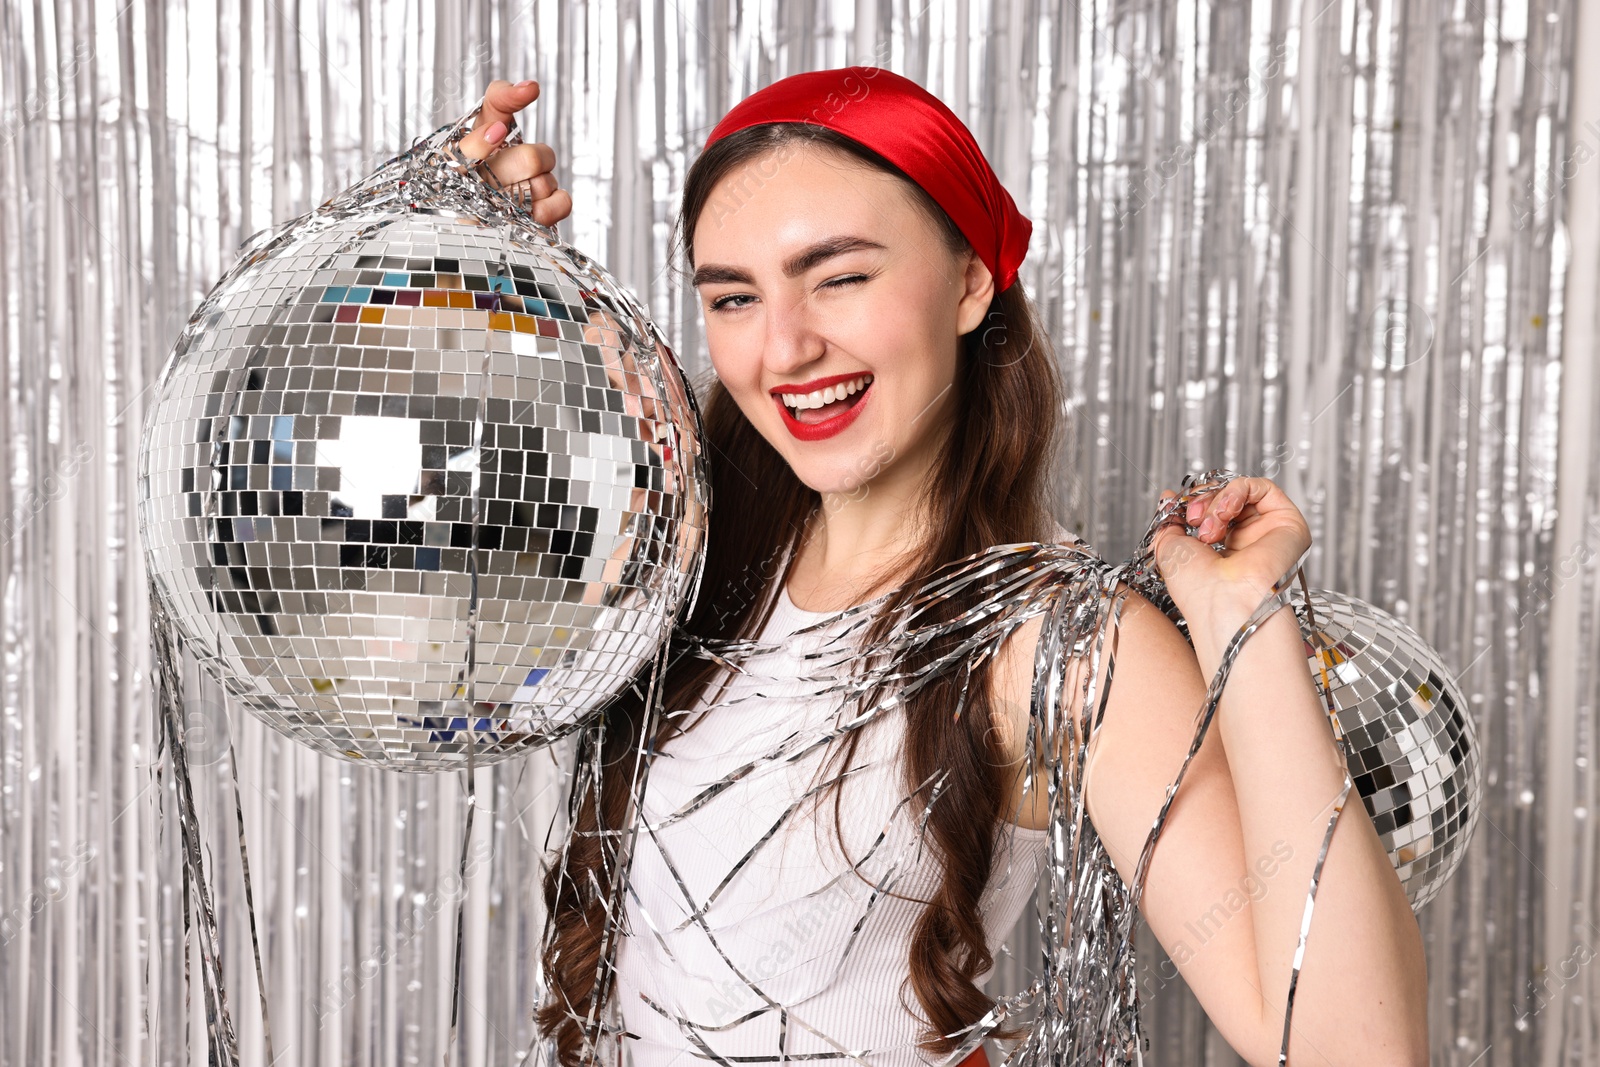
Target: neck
860, 543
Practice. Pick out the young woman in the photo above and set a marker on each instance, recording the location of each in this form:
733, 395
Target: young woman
884, 404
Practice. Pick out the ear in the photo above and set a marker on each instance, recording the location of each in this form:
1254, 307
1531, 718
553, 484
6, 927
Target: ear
977, 294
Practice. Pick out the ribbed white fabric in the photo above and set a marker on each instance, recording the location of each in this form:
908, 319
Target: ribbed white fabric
796, 923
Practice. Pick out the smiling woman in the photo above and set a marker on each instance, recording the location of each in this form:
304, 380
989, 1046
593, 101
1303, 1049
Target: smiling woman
884, 406
866, 433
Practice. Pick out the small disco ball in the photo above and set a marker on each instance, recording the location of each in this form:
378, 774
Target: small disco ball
419, 479
1411, 749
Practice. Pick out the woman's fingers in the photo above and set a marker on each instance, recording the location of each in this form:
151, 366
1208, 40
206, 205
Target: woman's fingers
501, 101
552, 209
539, 195
1238, 506
535, 188
522, 162
524, 174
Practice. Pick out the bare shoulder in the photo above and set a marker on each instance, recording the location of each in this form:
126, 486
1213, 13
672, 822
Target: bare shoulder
1144, 642
1155, 686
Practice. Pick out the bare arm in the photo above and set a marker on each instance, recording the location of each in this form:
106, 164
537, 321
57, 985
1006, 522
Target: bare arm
1226, 889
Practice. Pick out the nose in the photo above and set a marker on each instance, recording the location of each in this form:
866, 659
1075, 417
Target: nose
792, 339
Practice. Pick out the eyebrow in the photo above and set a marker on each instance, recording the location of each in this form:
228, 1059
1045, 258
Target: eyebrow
796, 265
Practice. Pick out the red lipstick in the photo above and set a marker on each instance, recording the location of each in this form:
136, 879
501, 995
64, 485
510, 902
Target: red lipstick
817, 431
818, 383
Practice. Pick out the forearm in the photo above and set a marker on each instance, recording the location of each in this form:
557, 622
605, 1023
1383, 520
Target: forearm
1361, 994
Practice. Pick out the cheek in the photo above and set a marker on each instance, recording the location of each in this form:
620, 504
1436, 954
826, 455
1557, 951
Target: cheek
913, 347
737, 369
731, 360
720, 347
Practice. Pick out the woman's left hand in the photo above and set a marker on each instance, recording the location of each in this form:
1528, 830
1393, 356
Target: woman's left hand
1263, 535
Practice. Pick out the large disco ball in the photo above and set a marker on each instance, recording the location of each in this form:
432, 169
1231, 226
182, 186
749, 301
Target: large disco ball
1410, 746
421, 479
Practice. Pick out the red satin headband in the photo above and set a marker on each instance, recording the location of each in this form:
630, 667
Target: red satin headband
914, 130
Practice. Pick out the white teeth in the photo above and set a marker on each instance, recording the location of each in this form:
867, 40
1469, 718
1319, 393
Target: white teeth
801, 401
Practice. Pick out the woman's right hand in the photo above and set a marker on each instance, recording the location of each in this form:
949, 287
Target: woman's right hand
525, 171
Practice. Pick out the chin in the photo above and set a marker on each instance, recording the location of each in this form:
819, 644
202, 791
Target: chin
843, 465
831, 483
849, 472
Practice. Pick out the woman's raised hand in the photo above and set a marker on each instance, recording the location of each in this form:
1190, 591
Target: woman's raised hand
1263, 534
524, 171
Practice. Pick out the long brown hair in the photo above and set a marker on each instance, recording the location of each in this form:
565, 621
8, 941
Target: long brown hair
987, 486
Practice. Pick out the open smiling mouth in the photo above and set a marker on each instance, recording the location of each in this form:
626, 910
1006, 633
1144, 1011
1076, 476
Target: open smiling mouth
826, 410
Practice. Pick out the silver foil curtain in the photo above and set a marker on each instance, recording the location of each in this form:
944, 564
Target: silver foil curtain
1347, 244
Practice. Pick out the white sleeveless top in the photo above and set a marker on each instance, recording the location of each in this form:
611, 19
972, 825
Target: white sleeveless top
750, 939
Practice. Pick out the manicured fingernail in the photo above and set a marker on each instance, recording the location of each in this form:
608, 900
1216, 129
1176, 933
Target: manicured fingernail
494, 133
523, 84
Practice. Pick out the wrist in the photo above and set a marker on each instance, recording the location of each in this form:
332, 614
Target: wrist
1214, 624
